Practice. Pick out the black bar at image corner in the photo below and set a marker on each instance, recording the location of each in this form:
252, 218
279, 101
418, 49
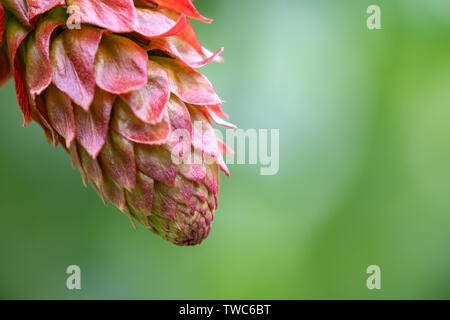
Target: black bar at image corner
221, 309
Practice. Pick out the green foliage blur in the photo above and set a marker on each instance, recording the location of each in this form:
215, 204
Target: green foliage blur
364, 119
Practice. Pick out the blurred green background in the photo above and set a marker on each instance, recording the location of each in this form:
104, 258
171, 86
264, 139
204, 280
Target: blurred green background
364, 119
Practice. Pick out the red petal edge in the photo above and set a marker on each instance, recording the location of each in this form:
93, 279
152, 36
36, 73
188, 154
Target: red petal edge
182, 6
183, 51
189, 85
15, 34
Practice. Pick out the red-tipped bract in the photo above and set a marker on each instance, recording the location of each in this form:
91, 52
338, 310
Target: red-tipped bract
113, 92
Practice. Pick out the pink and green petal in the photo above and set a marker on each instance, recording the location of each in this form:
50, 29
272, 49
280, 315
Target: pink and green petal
179, 115
164, 206
118, 161
39, 120
125, 123
180, 140
193, 171
153, 24
181, 192
204, 138
93, 125
182, 51
149, 102
114, 15
41, 112
121, 65
114, 193
142, 197
189, 85
72, 58
37, 59
21, 92
60, 114
92, 169
156, 162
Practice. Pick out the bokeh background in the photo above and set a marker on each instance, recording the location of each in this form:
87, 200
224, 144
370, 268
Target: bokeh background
364, 119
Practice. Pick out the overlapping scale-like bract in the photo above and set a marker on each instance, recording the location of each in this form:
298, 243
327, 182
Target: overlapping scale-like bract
113, 92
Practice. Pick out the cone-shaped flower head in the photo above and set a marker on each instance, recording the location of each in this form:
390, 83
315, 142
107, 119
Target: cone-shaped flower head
115, 82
